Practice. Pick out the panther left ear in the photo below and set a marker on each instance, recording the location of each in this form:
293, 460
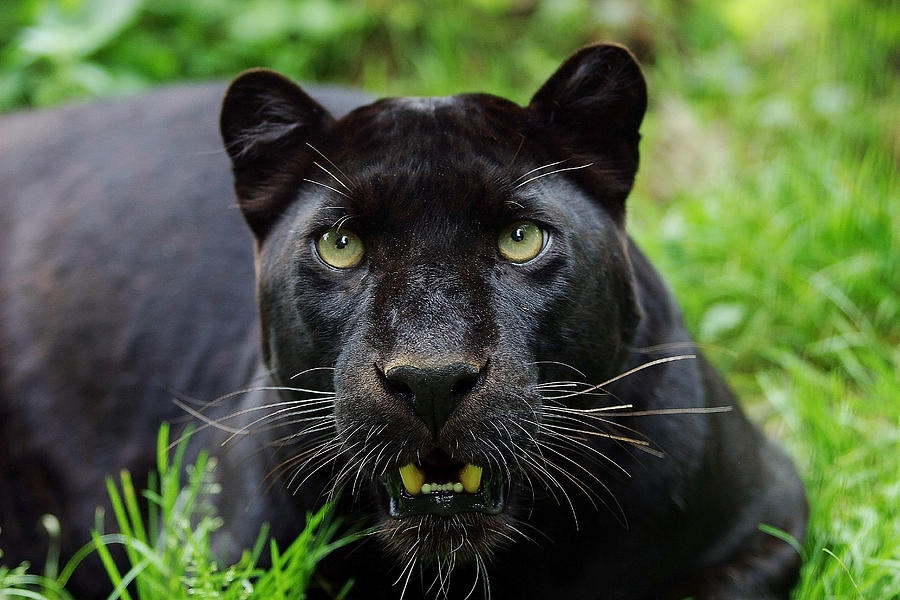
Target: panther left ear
267, 122
592, 107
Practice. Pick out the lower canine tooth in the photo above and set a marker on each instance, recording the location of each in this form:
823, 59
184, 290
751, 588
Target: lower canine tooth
470, 478
413, 477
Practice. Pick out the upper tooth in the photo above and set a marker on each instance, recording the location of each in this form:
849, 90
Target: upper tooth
413, 477
470, 477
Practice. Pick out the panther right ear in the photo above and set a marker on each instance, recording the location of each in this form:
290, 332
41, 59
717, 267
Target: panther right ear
593, 106
600, 87
266, 123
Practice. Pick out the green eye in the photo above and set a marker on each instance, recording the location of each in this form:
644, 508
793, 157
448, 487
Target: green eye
340, 248
521, 241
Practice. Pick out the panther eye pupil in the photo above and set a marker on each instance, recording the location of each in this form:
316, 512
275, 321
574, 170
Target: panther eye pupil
518, 234
342, 242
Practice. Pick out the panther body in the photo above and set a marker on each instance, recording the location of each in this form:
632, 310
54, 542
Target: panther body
459, 341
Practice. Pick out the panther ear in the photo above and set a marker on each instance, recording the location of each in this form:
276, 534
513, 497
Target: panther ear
594, 105
266, 123
600, 88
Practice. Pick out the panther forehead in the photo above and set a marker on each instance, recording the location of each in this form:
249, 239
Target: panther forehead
432, 128
440, 159
424, 104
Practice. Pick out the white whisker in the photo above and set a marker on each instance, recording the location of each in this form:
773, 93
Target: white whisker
547, 166
527, 181
627, 373
336, 168
325, 185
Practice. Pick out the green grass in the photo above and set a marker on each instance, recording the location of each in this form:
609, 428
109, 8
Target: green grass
787, 257
767, 194
168, 544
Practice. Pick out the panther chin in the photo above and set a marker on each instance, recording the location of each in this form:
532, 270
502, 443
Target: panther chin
439, 507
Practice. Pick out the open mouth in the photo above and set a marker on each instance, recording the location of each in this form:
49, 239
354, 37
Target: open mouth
442, 486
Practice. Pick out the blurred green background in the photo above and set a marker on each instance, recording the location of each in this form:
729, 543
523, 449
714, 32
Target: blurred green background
767, 193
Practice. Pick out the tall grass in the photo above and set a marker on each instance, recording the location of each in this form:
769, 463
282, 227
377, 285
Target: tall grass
166, 533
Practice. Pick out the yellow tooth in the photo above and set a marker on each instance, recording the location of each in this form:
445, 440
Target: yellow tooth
470, 477
413, 477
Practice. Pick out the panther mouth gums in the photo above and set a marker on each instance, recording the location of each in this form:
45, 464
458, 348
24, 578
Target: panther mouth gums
442, 486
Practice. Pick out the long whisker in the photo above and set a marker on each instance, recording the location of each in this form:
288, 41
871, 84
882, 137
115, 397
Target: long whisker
556, 362
677, 345
288, 406
547, 166
336, 168
325, 185
314, 471
590, 494
323, 451
587, 447
306, 371
561, 407
591, 420
323, 446
527, 181
674, 411
319, 424
330, 450
409, 566
287, 416
629, 372
208, 421
265, 388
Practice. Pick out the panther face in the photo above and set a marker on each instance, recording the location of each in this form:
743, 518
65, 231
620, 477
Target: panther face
436, 267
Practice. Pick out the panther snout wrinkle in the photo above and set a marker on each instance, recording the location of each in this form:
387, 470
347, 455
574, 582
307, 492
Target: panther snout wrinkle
436, 389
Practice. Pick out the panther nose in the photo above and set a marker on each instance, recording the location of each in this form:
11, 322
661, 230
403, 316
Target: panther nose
436, 389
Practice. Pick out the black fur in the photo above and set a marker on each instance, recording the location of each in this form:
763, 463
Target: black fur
125, 276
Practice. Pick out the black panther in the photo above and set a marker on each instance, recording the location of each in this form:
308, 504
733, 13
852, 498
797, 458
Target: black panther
450, 332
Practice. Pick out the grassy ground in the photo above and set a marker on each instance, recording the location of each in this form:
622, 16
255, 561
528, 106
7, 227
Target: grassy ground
768, 193
783, 244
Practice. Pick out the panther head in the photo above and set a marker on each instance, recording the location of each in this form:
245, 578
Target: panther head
439, 266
